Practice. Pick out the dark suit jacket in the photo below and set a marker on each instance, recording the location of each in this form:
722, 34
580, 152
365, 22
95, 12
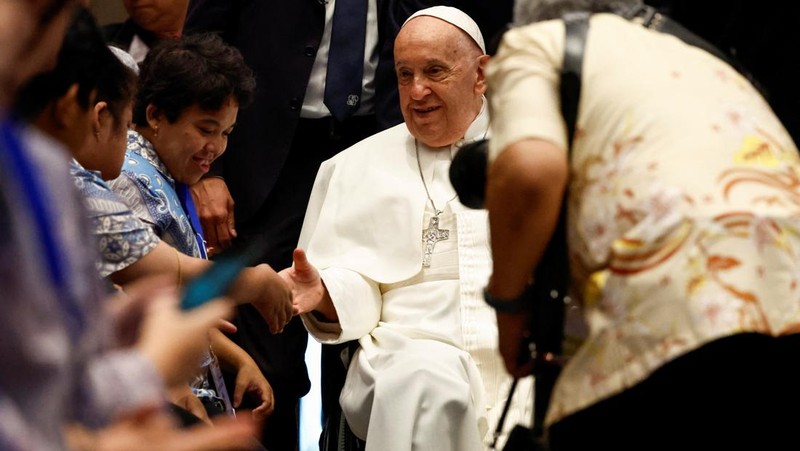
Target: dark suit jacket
121, 34
761, 36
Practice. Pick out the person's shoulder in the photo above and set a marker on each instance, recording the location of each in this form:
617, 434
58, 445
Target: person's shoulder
100, 199
548, 29
79, 171
137, 173
132, 161
126, 182
138, 158
384, 141
86, 179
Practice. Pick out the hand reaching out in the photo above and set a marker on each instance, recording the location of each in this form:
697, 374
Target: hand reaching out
174, 340
309, 293
147, 317
274, 299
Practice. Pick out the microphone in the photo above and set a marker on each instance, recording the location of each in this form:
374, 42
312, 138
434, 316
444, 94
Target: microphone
468, 173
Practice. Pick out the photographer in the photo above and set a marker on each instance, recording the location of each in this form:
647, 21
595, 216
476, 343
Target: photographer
682, 231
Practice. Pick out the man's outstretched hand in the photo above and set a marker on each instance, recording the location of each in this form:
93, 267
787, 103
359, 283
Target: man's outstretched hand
309, 293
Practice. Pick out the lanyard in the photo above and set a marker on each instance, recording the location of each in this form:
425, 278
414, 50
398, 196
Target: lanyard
191, 211
46, 224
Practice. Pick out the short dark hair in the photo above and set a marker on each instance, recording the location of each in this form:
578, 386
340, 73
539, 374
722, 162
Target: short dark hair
529, 11
198, 69
84, 60
117, 89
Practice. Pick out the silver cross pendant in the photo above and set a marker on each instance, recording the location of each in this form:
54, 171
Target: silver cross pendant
430, 237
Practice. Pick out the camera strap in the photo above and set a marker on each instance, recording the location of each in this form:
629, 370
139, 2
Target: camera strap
550, 297
551, 281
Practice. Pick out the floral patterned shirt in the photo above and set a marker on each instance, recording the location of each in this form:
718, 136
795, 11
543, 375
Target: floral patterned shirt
149, 190
122, 239
683, 204
148, 187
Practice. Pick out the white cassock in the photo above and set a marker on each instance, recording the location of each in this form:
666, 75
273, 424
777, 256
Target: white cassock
428, 374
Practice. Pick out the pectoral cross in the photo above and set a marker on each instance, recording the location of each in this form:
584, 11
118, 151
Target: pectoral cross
430, 237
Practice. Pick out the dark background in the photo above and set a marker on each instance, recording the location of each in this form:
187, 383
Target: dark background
763, 36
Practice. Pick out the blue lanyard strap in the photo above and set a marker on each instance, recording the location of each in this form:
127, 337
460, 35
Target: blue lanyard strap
45, 222
191, 211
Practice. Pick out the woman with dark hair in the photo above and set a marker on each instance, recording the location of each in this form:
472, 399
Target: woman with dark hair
72, 362
102, 88
86, 103
129, 249
188, 98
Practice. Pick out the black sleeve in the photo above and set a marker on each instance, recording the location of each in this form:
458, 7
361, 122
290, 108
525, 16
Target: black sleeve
214, 16
218, 16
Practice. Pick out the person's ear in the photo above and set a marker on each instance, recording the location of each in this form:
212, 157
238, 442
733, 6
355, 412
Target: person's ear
480, 81
101, 118
67, 108
153, 115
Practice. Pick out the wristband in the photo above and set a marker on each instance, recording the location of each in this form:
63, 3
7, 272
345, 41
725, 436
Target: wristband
516, 305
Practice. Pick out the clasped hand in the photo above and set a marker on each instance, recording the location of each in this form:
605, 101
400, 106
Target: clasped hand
274, 300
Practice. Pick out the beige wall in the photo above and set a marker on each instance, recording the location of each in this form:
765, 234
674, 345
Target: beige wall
108, 11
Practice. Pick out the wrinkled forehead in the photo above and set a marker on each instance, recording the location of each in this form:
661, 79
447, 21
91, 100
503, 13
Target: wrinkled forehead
427, 33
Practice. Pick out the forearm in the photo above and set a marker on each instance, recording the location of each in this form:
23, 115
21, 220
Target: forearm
162, 260
523, 197
326, 310
355, 302
231, 357
251, 283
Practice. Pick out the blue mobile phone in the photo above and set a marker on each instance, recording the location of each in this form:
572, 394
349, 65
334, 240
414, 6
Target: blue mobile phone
212, 283
216, 280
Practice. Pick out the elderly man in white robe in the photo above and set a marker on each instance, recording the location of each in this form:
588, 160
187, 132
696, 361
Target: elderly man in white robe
399, 262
